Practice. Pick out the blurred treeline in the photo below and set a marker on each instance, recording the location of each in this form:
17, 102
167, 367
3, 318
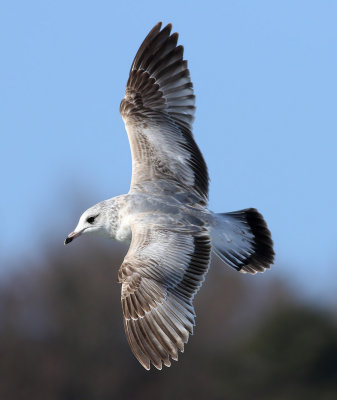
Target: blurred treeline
61, 336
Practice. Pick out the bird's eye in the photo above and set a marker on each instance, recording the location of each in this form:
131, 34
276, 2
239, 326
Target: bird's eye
91, 220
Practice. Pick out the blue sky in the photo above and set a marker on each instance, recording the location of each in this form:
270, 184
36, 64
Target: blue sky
265, 79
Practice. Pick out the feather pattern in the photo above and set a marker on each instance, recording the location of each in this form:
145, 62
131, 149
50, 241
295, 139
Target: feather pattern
158, 111
160, 275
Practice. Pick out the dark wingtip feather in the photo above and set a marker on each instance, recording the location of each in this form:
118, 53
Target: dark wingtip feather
153, 33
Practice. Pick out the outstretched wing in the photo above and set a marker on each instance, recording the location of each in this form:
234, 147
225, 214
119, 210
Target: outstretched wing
158, 111
160, 275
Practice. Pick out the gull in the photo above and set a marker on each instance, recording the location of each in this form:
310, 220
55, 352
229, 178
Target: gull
164, 217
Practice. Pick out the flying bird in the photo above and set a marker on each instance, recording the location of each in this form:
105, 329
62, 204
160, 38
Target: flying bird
164, 217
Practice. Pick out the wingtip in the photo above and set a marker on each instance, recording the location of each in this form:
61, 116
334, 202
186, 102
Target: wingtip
146, 365
169, 26
158, 366
158, 25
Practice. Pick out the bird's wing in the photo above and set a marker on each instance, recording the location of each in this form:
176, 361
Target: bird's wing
160, 275
158, 111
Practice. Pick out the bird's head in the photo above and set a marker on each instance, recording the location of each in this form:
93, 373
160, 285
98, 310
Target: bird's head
91, 221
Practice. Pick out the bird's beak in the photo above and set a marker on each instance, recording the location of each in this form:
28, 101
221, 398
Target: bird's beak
72, 236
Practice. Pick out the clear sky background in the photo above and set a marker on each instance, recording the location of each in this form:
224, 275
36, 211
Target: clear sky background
265, 77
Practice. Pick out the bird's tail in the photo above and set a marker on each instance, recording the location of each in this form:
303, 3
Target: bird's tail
242, 240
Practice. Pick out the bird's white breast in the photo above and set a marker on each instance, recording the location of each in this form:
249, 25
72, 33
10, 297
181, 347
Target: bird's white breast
123, 232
